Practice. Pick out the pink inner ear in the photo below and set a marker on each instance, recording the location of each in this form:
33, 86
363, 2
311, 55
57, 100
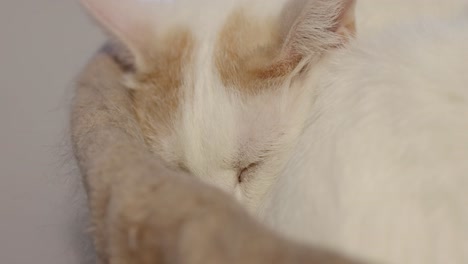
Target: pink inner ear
124, 19
120, 17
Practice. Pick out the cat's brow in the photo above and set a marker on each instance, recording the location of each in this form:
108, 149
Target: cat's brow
247, 51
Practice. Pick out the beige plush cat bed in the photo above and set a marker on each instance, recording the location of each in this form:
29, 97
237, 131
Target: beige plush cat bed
143, 212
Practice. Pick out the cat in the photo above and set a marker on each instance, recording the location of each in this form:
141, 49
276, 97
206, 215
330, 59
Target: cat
381, 169
150, 91
231, 92
141, 210
144, 212
216, 85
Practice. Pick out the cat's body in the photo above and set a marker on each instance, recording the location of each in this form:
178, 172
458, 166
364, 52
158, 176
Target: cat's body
382, 167
234, 92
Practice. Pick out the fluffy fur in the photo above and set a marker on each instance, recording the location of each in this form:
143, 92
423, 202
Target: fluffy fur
381, 170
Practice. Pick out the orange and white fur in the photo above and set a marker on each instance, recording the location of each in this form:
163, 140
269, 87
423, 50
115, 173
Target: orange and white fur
359, 147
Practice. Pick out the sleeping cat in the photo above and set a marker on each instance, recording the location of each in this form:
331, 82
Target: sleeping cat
217, 85
240, 93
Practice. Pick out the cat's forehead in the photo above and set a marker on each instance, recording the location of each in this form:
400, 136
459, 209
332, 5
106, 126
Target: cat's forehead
221, 59
237, 39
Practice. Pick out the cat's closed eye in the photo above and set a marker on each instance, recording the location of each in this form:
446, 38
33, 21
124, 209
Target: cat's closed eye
246, 171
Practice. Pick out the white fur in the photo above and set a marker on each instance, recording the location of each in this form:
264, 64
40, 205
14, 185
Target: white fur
381, 171
220, 133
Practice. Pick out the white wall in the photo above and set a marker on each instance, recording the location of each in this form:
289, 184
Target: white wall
43, 44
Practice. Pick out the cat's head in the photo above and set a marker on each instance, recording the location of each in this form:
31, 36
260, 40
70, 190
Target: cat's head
218, 86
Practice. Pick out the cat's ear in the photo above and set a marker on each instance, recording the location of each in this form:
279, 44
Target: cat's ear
129, 21
314, 26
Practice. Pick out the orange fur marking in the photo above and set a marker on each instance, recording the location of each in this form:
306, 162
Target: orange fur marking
157, 95
248, 52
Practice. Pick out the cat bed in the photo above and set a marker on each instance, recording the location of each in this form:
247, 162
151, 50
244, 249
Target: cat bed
144, 212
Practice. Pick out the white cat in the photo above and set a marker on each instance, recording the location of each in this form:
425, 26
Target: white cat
369, 142
216, 84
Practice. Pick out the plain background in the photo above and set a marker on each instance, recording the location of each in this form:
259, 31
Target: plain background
43, 45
